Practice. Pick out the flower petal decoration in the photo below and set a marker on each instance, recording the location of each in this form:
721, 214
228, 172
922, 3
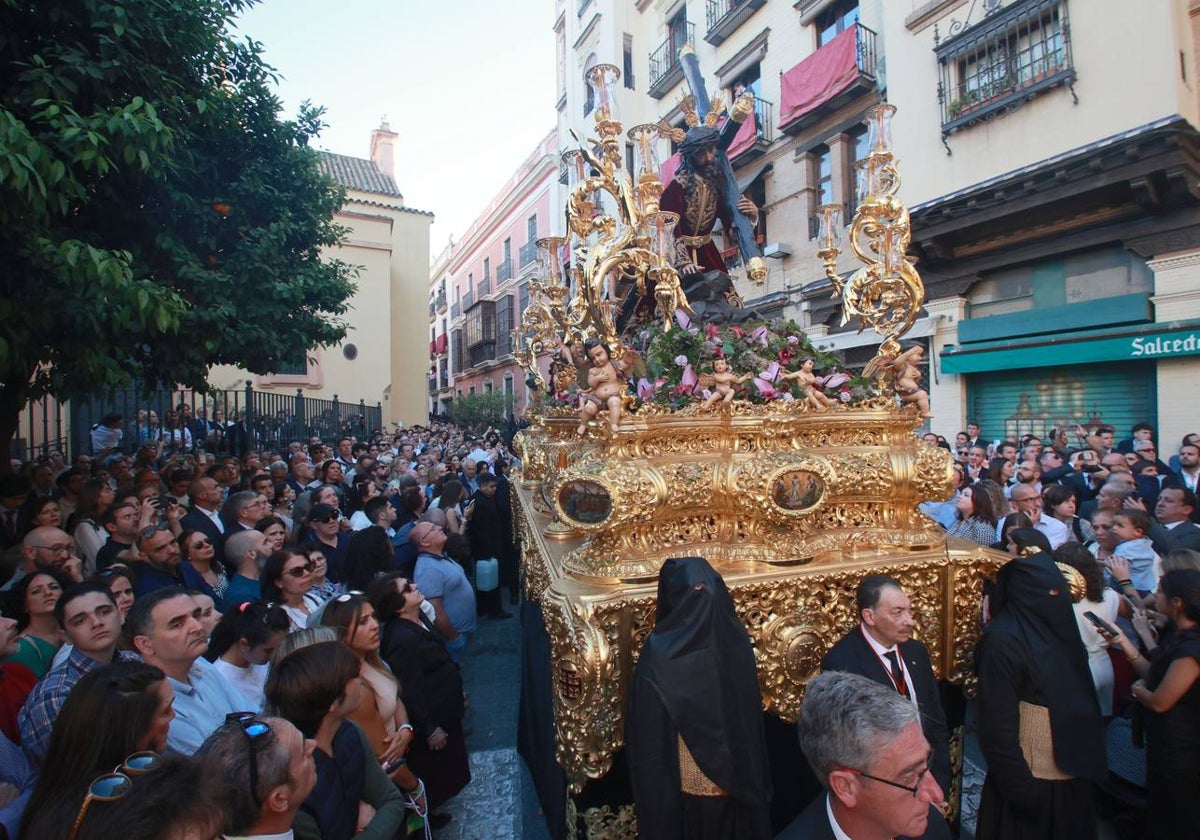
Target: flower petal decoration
760, 336
689, 380
681, 360
771, 374
834, 380
645, 390
682, 319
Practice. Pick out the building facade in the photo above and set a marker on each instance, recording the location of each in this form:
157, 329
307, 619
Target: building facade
479, 286
1048, 158
380, 359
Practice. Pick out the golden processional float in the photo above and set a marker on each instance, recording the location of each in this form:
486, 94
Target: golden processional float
791, 503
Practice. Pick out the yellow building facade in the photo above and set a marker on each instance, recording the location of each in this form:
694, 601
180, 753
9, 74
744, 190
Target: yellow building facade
381, 361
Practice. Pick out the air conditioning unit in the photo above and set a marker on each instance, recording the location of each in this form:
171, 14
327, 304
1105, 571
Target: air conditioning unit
777, 250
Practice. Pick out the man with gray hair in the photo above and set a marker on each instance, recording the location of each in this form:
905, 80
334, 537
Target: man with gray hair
244, 509
865, 744
269, 770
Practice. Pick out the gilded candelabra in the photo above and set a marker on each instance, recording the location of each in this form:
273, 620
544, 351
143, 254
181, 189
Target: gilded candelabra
618, 236
886, 293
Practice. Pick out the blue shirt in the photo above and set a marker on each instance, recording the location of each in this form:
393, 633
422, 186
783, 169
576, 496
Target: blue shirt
201, 705
240, 590
441, 577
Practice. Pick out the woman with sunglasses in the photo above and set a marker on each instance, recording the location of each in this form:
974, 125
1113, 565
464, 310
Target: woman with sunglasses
200, 568
134, 702
382, 715
431, 687
242, 644
322, 587
286, 578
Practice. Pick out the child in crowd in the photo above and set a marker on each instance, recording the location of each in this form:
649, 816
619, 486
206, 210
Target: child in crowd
1130, 527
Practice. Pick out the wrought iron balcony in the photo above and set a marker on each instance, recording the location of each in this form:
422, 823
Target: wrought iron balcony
848, 69
468, 300
440, 301
1004, 61
749, 147
455, 311
527, 253
725, 16
666, 70
433, 384
504, 271
484, 287
443, 378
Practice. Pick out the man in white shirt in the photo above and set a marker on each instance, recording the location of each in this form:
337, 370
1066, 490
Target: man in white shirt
1028, 500
268, 779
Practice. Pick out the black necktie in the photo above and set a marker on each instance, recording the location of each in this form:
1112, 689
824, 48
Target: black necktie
897, 672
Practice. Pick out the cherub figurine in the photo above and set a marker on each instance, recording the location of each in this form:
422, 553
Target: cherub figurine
809, 393
606, 381
723, 380
906, 378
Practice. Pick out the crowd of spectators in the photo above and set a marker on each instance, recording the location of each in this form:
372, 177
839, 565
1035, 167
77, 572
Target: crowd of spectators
272, 639
1125, 520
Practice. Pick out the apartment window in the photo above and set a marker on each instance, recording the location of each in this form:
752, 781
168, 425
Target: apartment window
487, 268
627, 62
295, 365
822, 181
677, 30
487, 387
507, 249
531, 228
835, 20
858, 151
1004, 60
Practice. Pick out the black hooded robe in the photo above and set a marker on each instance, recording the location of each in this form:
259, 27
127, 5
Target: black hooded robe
1031, 652
696, 679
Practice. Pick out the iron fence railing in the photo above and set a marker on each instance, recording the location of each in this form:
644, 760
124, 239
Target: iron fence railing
272, 420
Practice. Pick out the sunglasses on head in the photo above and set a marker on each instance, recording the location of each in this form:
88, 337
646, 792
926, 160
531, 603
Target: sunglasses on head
112, 786
254, 729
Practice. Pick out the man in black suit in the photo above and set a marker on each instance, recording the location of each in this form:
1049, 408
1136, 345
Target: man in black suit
205, 495
865, 744
1174, 528
882, 649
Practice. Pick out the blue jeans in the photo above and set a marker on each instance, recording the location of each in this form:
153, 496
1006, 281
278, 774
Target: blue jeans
455, 647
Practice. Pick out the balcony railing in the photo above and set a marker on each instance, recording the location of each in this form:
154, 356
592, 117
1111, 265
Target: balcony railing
440, 301
485, 287
666, 70
504, 271
841, 71
432, 309
749, 147
455, 311
1004, 61
443, 378
725, 16
433, 384
527, 253
468, 301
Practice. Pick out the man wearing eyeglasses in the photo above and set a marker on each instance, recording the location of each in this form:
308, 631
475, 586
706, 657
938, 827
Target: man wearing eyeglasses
1027, 499
269, 772
47, 547
865, 744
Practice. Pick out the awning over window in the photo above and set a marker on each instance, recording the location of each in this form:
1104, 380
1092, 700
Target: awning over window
820, 77
1140, 343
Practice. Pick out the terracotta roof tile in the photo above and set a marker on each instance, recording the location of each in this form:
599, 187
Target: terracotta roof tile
358, 174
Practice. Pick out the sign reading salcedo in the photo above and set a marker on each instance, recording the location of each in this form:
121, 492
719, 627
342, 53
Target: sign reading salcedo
1169, 344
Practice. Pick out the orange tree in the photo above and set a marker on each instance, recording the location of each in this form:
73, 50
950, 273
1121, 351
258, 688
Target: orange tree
157, 216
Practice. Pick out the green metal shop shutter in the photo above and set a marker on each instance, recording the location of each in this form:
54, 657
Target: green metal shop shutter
1008, 404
